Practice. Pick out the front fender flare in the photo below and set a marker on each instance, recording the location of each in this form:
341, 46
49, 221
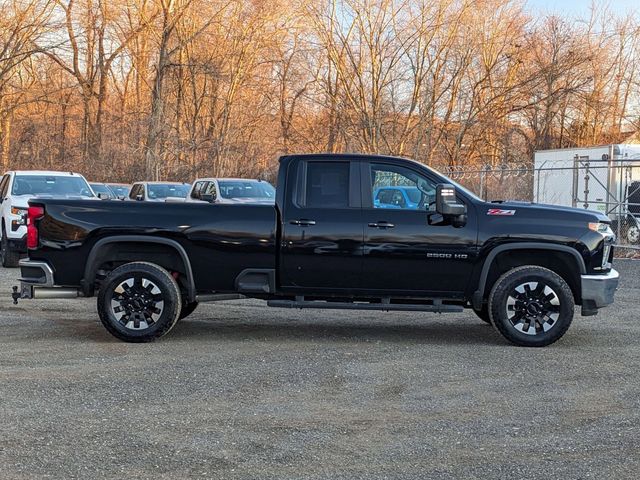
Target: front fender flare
478, 295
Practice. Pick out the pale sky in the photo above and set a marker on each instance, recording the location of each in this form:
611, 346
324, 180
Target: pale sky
580, 7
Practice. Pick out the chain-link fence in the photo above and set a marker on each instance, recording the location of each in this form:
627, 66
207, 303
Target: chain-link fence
609, 186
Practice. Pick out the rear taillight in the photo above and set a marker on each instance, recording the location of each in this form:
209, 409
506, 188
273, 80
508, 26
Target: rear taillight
33, 214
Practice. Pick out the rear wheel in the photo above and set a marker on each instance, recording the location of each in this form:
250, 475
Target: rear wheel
139, 302
531, 306
9, 257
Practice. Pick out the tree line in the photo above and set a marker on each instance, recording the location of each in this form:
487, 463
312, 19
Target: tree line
175, 89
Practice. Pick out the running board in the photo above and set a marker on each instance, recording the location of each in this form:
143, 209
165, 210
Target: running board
437, 306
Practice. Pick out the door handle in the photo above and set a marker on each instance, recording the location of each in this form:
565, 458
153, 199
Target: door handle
381, 225
303, 222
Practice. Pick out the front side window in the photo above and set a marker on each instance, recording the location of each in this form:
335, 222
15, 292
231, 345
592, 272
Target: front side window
399, 187
135, 191
327, 185
45, 185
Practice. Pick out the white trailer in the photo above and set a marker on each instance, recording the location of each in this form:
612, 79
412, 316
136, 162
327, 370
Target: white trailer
604, 178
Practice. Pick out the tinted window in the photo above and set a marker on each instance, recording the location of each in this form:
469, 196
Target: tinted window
50, 185
195, 193
135, 191
392, 185
327, 184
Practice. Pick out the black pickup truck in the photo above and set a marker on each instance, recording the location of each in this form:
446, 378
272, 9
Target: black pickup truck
346, 232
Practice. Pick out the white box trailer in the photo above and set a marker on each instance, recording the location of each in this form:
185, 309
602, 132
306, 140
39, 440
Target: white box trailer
594, 178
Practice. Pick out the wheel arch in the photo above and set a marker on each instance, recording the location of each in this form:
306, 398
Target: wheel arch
103, 249
564, 260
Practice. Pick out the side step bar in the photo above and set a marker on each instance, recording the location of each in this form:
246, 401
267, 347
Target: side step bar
299, 302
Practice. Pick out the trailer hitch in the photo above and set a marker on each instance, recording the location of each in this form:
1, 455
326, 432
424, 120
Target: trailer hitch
15, 295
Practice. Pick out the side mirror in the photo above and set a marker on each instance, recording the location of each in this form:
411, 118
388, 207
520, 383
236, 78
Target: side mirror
447, 205
139, 197
103, 196
207, 197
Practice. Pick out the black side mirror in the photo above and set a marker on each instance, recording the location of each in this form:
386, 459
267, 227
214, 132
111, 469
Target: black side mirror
447, 205
207, 197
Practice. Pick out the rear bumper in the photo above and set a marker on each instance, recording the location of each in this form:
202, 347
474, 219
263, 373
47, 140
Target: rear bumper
598, 291
36, 281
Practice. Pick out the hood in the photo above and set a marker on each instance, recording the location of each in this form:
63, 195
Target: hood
551, 211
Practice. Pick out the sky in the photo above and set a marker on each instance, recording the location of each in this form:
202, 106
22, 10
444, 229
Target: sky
580, 7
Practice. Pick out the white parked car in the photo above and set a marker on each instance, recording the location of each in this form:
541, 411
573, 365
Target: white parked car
231, 190
16, 189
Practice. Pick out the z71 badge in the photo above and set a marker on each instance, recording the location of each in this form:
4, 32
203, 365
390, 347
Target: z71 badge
500, 211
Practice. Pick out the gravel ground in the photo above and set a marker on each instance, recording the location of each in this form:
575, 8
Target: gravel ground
242, 391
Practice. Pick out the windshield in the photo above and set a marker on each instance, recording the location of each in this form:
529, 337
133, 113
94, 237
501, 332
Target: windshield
120, 190
167, 190
459, 187
51, 185
101, 188
246, 189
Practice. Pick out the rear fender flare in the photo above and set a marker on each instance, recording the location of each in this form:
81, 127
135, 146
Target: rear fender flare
478, 295
91, 267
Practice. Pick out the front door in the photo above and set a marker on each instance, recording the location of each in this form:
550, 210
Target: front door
402, 252
322, 226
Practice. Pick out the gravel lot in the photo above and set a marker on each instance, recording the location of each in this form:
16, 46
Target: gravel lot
242, 391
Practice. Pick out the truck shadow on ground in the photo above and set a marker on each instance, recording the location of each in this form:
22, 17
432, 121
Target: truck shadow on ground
463, 333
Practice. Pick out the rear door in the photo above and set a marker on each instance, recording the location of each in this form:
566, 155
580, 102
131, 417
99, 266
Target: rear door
322, 230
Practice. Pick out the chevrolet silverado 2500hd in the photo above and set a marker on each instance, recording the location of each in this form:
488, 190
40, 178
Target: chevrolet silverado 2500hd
327, 243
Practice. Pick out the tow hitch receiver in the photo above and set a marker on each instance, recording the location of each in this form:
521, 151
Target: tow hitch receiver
15, 295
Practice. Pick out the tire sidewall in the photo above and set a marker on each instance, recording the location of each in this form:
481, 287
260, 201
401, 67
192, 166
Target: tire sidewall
507, 283
168, 288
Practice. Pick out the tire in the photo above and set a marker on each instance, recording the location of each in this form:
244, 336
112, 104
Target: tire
632, 234
139, 302
187, 309
10, 258
531, 306
483, 314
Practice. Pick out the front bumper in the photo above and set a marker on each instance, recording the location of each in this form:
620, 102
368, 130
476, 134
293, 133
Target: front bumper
598, 291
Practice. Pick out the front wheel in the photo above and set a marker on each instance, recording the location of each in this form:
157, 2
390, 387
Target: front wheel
139, 302
531, 306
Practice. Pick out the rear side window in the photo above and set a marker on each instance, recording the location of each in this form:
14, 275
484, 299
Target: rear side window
327, 185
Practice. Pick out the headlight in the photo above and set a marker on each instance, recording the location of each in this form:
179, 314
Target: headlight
600, 227
18, 211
